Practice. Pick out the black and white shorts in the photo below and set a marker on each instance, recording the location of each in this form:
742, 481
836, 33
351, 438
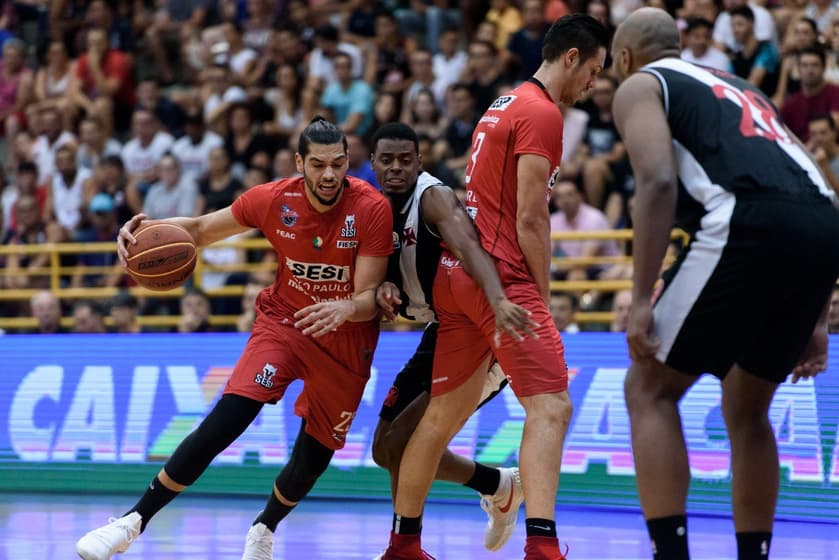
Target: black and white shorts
750, 287
415, 378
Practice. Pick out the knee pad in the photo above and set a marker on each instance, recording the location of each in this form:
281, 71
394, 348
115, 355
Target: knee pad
308, 460
230, 417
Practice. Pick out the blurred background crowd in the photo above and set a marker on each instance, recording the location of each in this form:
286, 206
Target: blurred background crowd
175, 107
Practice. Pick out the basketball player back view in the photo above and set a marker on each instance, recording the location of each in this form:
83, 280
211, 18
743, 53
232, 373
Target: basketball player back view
746, 301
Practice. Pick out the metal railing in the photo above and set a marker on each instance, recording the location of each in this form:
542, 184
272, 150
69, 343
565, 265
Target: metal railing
56, 276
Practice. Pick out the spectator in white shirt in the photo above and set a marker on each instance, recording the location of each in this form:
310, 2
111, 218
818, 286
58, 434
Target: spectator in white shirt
46, 145
141, 155
699, 48
765, 29
449, 62
193, 149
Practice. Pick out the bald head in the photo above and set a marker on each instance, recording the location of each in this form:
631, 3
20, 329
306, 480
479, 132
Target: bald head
648, 34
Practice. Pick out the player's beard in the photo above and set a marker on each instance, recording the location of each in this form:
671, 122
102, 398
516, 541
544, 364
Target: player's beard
313, 189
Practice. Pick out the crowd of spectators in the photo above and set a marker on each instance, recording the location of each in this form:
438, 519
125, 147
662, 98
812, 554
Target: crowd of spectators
175, 107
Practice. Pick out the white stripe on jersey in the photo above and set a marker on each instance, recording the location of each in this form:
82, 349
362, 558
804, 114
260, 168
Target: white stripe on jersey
418, 307
705, 251
786, 143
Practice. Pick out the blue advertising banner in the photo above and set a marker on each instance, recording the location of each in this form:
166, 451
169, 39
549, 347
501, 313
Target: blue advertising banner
86, 413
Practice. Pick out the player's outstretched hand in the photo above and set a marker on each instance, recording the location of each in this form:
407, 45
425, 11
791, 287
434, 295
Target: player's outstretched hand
514, 320
642, 342
814, 358
388, 300
126, 237
323, 318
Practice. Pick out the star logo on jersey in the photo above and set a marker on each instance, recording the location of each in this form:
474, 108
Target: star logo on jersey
288, 216
409, 236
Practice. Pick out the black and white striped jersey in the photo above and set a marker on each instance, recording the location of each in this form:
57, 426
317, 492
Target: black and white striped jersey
728, 139
413, 264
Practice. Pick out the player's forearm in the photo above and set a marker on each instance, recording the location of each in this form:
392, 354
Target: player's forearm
534, 237
364, 306
655, 207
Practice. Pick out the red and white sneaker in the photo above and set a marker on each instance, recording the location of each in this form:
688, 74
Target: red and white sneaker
502, 509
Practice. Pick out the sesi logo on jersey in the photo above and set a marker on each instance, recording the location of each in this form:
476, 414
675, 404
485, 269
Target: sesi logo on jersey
318, 272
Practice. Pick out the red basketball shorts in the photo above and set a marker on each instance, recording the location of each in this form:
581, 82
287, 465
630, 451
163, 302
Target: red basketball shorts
334, 369
467, 326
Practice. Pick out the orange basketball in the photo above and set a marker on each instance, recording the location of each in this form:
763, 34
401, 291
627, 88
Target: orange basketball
163, 257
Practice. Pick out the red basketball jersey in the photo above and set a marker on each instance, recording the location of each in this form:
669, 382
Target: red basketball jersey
316, 251
523, 121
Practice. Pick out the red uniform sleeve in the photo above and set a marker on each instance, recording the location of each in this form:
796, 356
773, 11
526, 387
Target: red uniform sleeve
252, 207
538, 131
377, 240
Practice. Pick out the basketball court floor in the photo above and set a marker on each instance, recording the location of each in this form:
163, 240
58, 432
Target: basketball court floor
45, 527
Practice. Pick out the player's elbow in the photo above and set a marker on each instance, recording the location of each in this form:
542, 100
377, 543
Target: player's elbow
532, 220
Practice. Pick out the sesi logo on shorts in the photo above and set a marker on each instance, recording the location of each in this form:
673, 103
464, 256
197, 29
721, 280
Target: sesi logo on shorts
266, 378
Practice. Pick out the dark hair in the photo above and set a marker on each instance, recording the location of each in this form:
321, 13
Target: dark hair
698, 23
320, 131
811, 22
394, 131
461, 86
114, 160
579, 31
575, 303
744, 12
327, 33
492, 50
95, 307
27, 167
815, 51
823, 117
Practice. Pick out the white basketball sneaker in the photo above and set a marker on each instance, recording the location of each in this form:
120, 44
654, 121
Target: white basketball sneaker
115, 537
502, 509
259, 544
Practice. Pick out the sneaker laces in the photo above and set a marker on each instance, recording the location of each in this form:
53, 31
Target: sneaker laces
114, 523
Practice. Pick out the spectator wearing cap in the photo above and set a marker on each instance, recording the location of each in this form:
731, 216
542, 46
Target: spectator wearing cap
124, 309
103, 228
193, 149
